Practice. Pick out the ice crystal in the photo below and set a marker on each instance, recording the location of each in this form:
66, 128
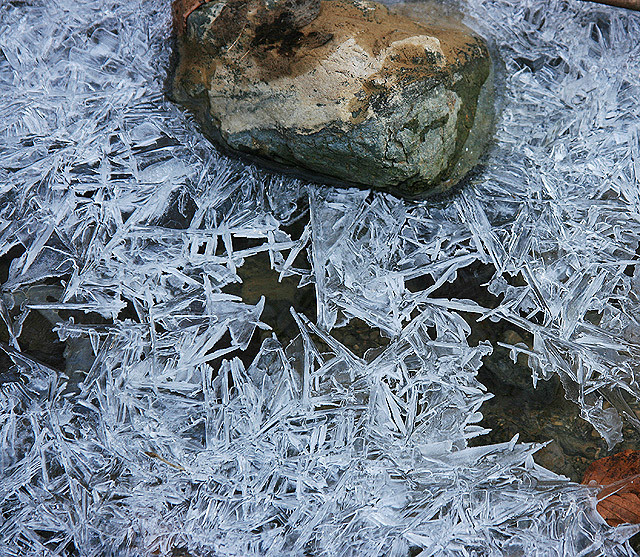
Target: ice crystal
125, 229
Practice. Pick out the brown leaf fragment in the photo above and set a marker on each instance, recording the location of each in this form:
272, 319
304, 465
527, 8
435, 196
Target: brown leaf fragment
619, 476
629, 4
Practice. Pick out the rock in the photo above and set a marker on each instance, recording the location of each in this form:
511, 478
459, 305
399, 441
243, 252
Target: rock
343, 91
509, 376
553, 458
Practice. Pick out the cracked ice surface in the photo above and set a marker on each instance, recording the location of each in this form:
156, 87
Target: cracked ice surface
130, 225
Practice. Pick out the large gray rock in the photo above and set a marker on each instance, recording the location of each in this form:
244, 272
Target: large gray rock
339, 90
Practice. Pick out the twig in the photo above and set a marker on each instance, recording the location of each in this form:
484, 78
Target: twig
628, 4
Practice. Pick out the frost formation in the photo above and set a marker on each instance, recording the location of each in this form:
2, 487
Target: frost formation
126, 225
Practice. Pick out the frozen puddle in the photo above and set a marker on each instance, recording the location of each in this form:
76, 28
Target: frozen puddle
128, 232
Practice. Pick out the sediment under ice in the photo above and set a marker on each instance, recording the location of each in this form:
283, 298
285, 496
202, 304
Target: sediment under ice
124, 214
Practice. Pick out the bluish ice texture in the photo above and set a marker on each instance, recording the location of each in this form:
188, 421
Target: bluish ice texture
123, 212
